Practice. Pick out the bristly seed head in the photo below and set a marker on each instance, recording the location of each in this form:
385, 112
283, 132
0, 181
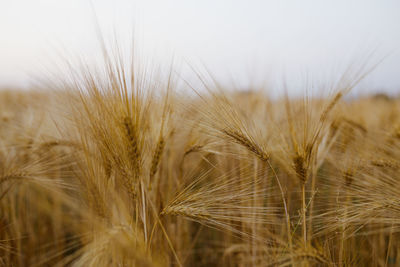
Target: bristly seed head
133, 149
186, 211
157, 156
240, 139
300, 168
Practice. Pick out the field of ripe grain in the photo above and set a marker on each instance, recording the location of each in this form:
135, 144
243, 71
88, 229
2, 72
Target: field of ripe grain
116, 168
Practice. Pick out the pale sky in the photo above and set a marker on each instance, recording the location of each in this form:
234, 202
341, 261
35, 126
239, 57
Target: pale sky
249, 41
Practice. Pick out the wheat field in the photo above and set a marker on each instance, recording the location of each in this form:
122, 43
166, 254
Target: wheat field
115, 167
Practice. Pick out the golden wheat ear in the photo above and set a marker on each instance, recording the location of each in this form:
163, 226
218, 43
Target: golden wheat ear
224, 203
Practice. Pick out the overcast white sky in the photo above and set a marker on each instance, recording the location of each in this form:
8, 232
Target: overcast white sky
249, 40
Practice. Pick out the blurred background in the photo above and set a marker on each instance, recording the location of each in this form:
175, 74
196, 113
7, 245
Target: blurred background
243, 43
